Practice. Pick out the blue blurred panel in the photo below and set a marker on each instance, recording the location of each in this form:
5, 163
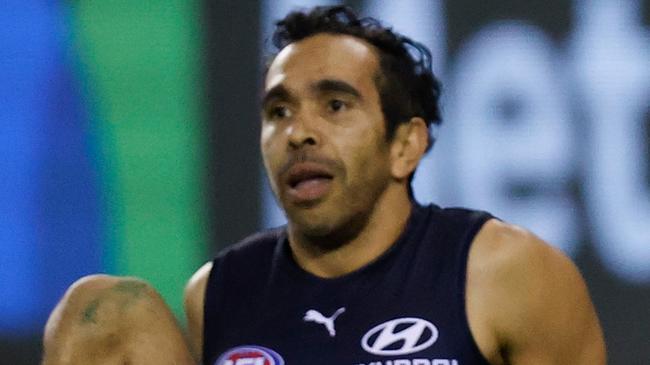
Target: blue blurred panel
70, 226
49, 207
26, 44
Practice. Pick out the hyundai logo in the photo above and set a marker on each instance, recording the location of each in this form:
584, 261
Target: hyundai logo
400, 336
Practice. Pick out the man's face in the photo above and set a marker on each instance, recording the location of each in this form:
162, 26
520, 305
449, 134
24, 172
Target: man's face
323, 133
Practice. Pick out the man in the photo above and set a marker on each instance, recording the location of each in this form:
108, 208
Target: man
362, 274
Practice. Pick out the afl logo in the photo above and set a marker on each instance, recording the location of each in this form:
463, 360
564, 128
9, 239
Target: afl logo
250, 355
400, 336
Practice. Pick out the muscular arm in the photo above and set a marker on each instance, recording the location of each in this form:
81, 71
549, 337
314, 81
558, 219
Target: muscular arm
527, 303
106, 320
194, 300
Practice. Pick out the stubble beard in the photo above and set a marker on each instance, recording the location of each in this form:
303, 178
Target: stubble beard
330, 237
345, 224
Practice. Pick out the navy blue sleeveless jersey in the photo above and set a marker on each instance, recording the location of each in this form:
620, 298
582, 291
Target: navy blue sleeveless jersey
405, 308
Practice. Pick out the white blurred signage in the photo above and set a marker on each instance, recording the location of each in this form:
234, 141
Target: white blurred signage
527, 120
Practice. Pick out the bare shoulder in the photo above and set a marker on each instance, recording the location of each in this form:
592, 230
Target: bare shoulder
194, 298
501, 250
527, 302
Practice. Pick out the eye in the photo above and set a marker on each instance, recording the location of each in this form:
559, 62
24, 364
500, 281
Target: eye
279, 112
336, 105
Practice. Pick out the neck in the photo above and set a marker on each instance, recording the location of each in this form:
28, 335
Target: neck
384, 225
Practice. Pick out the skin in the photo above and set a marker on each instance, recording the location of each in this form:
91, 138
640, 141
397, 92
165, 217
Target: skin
106, 320
336, 234
526, 302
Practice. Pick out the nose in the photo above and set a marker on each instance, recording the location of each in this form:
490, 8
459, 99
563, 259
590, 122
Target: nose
302, 132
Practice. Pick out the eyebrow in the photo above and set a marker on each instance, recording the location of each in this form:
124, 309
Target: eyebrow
278, 92
336, 86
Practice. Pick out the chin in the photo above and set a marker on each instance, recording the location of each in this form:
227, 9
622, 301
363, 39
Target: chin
309, 223
326, 231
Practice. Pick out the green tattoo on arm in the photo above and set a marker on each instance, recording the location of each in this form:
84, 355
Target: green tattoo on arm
90, 313
132, 287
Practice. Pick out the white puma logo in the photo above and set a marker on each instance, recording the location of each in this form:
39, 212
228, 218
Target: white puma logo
313, 315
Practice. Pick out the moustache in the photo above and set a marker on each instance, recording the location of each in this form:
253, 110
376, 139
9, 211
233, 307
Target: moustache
307, 156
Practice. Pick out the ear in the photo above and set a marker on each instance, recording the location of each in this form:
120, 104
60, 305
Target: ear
408, 146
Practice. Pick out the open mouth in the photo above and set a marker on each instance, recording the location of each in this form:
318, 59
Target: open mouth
308, 181
296, 181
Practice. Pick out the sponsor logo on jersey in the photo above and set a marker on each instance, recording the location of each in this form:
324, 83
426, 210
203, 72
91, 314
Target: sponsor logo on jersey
400, 336
313, 315
415, 362
250, 355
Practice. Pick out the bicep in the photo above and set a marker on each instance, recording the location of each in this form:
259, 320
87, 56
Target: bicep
553, 320
527, 302
193, 302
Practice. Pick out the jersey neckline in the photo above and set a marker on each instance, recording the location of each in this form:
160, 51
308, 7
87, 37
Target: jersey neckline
418, 216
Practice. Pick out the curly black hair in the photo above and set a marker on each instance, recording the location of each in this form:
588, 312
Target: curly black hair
406, 84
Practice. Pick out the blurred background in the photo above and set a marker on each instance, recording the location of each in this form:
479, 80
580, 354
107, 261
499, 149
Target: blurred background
129, 140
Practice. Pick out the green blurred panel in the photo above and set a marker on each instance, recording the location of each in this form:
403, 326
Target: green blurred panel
142, 64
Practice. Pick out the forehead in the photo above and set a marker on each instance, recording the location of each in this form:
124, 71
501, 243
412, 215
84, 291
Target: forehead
321, 56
